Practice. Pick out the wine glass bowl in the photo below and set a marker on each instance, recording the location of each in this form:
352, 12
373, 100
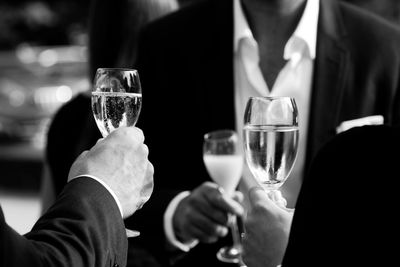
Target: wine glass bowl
223, 157
271, 137
116, 98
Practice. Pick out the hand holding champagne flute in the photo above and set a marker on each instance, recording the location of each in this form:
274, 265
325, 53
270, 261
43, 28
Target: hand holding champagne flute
271, 135
116, 101
222, 155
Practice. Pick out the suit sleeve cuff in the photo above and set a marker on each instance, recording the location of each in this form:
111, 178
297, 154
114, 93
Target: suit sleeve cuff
108, 189
168, 227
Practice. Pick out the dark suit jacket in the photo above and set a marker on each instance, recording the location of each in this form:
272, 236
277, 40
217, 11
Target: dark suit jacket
346, 213
83, 228
186, 68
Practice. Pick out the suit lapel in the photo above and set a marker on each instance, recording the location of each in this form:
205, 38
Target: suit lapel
329, 76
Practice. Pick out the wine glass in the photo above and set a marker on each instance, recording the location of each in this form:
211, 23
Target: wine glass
271, 137
116, 98
223, 157
116, 101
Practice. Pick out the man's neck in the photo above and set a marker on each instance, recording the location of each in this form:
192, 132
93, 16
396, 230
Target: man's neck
272, 22
277, 18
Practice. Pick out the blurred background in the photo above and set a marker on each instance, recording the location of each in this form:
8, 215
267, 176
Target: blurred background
43, 64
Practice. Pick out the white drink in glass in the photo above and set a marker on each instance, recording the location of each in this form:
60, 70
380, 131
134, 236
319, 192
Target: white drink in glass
223, 158
225, 170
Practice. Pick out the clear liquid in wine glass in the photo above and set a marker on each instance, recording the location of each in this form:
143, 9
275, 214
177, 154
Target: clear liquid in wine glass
114, 109
271, 152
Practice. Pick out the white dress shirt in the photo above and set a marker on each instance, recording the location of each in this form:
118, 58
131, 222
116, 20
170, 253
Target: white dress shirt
293, 80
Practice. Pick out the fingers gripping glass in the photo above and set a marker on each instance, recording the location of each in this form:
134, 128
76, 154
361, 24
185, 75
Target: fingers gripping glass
116, 101
223, 157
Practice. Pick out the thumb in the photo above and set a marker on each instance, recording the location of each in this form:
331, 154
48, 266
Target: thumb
238, 196
99, 140
257, 196
277, 198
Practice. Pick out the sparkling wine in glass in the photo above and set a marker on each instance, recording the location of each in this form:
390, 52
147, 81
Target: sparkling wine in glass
223, 157
116, 101
271, 137
116, 98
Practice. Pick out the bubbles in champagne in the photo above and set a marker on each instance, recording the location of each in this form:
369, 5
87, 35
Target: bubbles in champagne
112, 110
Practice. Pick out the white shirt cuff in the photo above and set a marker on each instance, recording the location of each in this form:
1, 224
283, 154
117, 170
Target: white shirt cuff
108, 189
168, 227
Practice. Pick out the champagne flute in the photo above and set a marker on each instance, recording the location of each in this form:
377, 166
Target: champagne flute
116, 101
222, 155
271, 137
116, 98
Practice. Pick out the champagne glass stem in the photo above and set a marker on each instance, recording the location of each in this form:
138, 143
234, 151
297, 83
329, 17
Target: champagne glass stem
232, 253
235, 231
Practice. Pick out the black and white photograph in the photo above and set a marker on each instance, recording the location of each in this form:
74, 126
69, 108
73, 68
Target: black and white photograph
199, 133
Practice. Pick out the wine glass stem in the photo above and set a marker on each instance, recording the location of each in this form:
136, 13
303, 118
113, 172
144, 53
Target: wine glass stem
235, 231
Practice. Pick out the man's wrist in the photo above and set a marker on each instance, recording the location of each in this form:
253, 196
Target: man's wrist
168, 225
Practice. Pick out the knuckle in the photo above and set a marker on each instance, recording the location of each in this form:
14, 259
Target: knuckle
220, 230
122, 131
139, 133
145, 149
208, 185
138, 130
150, 168
133, 134
210, 190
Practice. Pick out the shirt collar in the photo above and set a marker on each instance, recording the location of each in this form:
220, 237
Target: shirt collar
306, 29
241, 26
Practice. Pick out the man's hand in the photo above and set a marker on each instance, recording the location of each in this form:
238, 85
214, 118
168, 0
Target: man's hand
203, 215
120, 160
267, 229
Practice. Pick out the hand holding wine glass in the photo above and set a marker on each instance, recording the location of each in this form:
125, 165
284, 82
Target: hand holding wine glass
223, 158
116, 101
271, 135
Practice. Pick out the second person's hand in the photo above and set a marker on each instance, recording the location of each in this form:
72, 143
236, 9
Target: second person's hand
203, 215
267, 228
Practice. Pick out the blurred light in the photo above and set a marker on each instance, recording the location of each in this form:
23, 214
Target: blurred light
17, 98
48, 58
63, 93
26, 54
